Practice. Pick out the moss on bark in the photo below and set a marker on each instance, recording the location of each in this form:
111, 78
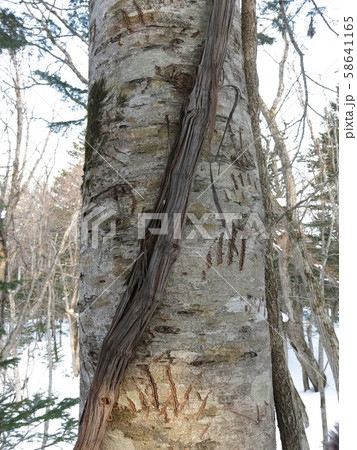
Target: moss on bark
96, 98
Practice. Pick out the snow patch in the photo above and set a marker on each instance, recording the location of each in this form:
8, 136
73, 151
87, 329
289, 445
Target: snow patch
285, 317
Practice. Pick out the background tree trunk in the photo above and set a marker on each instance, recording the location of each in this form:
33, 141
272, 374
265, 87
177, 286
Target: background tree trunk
294, 326
201, 375
289, 408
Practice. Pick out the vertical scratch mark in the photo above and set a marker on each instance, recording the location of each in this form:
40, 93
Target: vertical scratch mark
226, 196
164, 408
186, 398
258, 414
168, 135
202, 407
140, 12
173, 390
204, 430
235, 182
232, 246
144, 405
240, 139
133, 203
153, 386
242, 255
209, 259
131, 405
220, 250
127, 20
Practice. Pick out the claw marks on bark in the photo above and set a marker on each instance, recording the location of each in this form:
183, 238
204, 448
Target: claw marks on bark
173, 390
127, 20
202, 407
256, 420
218, 245
141, 17
158, 358
209, 259
143, 401
132, 406
164, 409
153, 386
232, 246
220, 250
171, 406
186, 398
204, 430
242, 159
242, 254
172, 398
236, 187
140, 12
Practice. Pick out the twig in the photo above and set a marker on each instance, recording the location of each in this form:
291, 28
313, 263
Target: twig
323, 18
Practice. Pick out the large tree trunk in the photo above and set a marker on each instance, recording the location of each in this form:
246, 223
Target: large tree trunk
201, 374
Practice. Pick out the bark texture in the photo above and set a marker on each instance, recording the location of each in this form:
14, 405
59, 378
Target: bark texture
287, 402
201, 374
3, 265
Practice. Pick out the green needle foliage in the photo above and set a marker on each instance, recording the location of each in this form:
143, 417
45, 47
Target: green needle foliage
18, 419
12, 34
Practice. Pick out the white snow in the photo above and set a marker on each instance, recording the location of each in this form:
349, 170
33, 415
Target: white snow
311, 399
285, 317
64, 384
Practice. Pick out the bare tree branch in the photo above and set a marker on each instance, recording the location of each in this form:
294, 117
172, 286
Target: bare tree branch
323, 17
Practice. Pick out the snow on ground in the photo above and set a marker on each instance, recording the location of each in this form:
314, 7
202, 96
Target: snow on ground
311, 399
66, 385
